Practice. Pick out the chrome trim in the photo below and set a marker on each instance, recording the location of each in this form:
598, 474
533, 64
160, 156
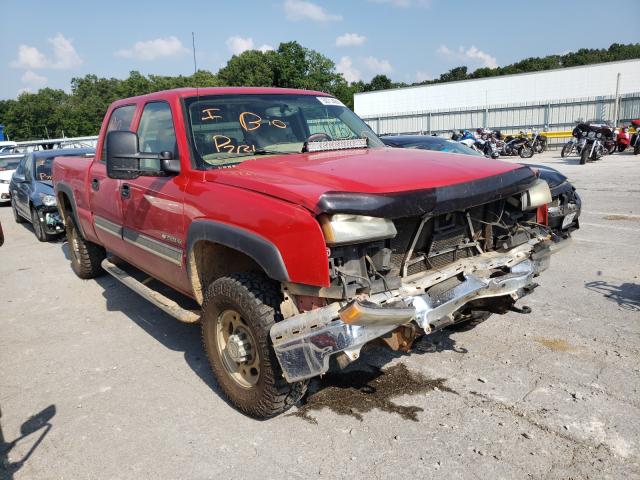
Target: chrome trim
304, 343
151, 245
146, 243
108, 226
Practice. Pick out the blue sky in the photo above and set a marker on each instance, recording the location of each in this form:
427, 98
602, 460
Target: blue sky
46, 43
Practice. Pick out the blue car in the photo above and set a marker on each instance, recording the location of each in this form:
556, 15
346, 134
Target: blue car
32, 197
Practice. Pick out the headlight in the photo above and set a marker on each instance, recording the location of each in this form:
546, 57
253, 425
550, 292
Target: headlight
538, 195
340, 229
48, 200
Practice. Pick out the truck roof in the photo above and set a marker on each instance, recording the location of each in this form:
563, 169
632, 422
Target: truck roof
192, 92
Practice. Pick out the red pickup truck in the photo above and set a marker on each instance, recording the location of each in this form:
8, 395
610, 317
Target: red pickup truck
294, 232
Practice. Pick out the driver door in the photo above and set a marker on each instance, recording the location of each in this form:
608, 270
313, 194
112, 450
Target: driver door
153, 205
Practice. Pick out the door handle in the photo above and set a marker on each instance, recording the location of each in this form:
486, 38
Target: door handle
95, 184
125, 190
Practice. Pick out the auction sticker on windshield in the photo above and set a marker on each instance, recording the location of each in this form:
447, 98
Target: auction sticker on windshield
330, 101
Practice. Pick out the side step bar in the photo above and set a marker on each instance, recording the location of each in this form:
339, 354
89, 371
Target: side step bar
162, 302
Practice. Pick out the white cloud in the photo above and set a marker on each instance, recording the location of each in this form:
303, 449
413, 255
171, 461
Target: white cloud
378, 66
350, 40
405, 3
348, 71
33, 80
29, 57
472, 54
154, 49
237, 44
423, 76
296, 10
265, 48
64, 56
64, 53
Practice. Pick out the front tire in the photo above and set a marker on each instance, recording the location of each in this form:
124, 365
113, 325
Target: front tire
237, 313
566, 150
636, 150
38, 228
86, 256
526, 152
584, 155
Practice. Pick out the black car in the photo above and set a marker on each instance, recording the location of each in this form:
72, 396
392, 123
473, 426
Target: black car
564, 210
32, 195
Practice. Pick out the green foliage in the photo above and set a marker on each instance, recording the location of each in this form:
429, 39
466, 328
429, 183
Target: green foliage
584, 56
54, 112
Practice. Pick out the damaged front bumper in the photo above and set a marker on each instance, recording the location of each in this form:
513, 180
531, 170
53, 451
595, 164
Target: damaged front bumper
305, 342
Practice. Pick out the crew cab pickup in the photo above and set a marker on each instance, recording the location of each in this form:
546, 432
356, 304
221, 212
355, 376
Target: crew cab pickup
296, 234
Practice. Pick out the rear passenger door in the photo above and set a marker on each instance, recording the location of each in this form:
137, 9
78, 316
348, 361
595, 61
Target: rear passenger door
153, 206
20, 191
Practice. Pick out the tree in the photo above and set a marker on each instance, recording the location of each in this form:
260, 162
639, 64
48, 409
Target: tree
250, 68
379, 82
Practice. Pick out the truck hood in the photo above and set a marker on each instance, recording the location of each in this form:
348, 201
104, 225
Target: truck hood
309, 178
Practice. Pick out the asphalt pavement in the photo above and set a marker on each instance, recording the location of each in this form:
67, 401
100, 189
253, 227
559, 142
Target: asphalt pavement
96, 383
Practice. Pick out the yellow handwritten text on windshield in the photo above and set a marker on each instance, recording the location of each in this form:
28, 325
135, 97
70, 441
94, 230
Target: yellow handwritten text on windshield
224, 144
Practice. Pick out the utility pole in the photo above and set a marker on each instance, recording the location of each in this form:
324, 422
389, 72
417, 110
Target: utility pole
616, 105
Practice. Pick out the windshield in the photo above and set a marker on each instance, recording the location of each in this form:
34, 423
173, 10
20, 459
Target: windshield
228, 129
43, 169
9, 163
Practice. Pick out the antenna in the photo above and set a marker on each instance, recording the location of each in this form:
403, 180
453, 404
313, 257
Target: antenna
193, 44
195, 66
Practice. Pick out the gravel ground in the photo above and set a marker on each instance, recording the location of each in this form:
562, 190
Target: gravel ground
97, 383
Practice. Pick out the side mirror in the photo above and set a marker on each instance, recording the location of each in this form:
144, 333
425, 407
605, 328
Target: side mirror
123, 162
123, 158
19, 178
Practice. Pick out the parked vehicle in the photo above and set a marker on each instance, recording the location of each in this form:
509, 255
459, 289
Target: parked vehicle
517, 145
32, 197
300, 235
635, 138
622, 139
593, 135
538, 142
565, 206
8, 165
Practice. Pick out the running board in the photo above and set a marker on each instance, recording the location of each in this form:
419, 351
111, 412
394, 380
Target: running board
158, 299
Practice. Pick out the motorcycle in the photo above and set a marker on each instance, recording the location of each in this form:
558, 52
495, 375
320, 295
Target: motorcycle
635, 138
517, 145
622, 140
594, 136
538, 142
572, 146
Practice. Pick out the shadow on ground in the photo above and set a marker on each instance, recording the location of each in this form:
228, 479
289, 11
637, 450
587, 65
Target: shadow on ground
626, 295
41, 422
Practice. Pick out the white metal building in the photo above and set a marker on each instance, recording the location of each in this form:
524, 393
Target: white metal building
551, 85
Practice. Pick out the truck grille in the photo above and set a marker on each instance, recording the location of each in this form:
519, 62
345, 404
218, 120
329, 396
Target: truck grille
443, 240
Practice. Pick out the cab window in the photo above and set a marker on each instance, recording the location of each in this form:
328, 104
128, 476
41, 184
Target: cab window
120, 119
156, 133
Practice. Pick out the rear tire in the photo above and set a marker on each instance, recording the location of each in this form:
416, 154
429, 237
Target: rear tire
584, 155
38, 228
566, 150
622, 148
16, 216
245, 307
86, 256
636, 150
